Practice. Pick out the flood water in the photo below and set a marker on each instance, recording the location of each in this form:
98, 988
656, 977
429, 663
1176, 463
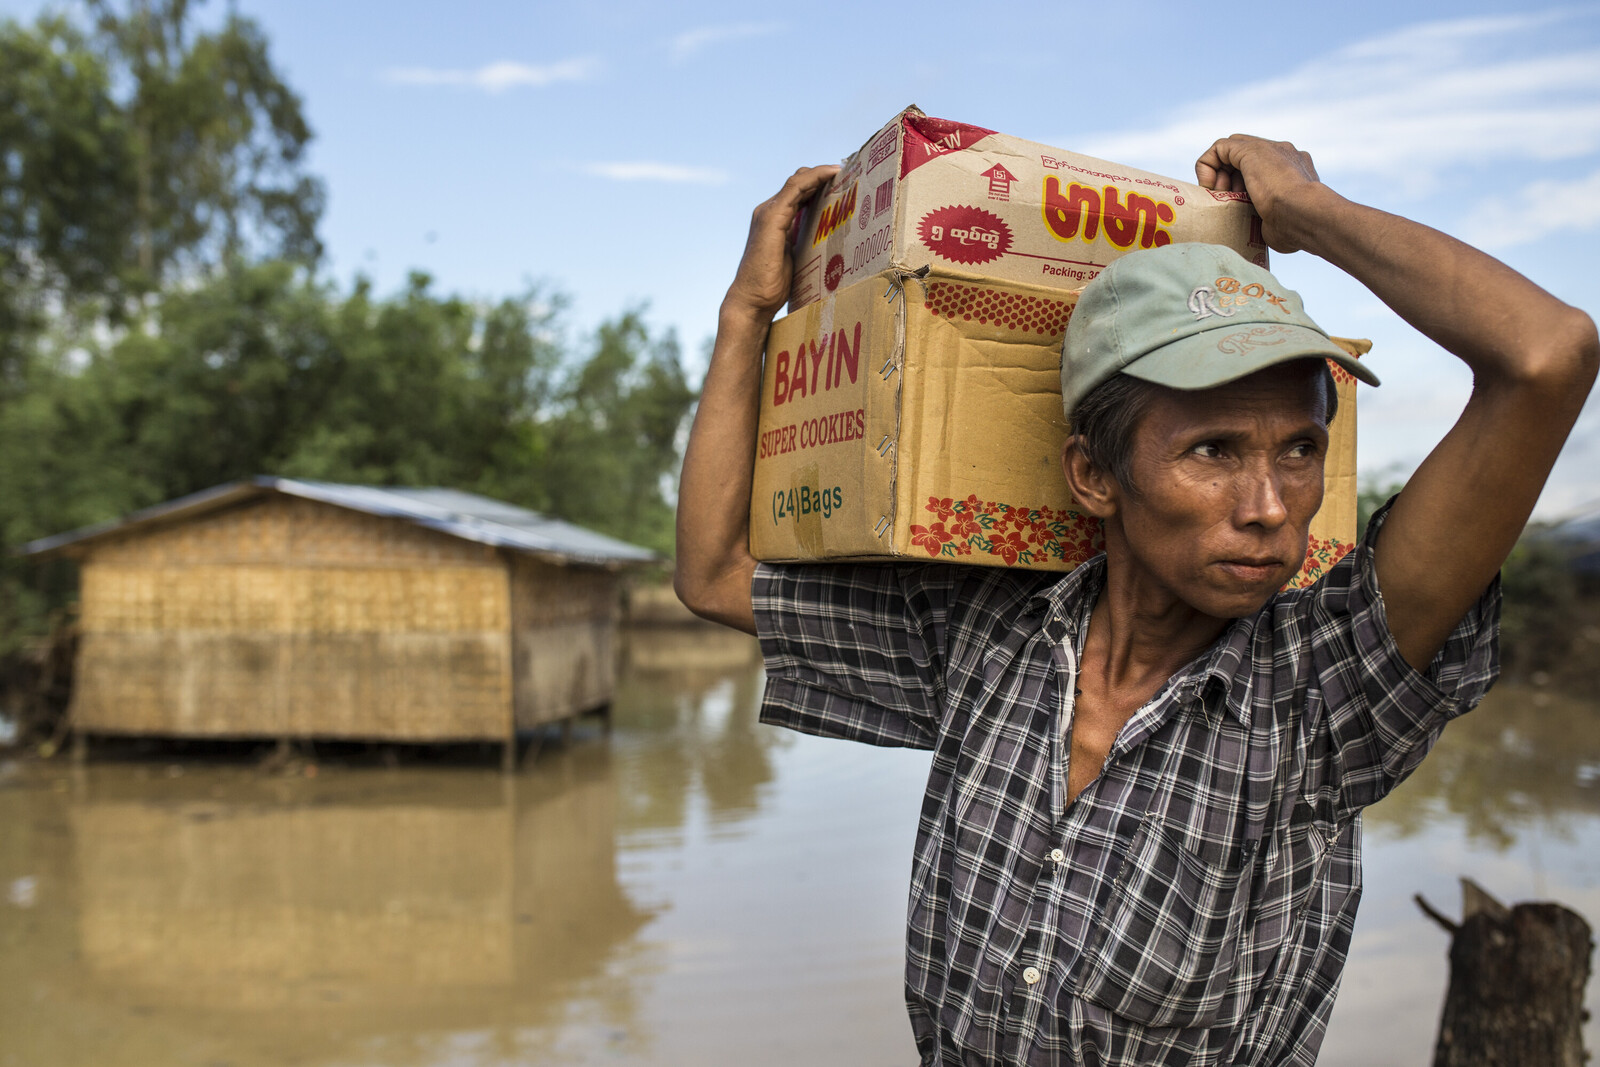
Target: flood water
693, 889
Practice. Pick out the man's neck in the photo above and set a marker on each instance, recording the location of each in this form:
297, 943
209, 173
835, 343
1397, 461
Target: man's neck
1141, 633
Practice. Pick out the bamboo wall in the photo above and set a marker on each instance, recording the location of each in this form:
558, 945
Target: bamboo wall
287, 617
564, 630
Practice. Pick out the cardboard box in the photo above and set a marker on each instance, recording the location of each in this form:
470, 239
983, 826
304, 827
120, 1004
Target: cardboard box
930, 192
919, 417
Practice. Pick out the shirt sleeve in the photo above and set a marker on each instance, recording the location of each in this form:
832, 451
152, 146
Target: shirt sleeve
855, 651
1379, 715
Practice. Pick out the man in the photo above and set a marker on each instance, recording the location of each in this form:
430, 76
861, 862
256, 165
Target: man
1140, 841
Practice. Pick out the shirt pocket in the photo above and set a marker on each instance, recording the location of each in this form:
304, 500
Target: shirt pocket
1168, 940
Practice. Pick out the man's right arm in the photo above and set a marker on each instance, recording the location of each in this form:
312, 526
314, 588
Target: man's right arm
714, 565
1533, 360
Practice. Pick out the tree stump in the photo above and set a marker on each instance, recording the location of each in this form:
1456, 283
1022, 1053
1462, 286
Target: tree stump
1516, 984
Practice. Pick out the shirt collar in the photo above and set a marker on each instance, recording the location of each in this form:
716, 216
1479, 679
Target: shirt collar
1222, 670
1066, 599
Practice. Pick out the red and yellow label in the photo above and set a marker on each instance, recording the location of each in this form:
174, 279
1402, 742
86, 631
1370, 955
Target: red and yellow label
831, 357
1125, 219
835, 214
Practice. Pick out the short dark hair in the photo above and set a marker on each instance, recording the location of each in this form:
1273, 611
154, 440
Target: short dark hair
1108, 416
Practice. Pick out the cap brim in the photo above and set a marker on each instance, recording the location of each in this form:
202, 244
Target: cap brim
1226, 354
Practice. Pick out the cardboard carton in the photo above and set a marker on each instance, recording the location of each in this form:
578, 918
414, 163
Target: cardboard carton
930, 192
917, 416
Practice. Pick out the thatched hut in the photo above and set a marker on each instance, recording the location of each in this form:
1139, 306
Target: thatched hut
282, 608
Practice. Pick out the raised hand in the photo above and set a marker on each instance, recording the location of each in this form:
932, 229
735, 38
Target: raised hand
1274, 173
761, 284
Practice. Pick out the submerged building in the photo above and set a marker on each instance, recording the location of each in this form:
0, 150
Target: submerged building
282, 608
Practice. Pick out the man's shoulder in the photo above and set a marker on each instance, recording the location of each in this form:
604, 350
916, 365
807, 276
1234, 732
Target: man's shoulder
1004, 591
944, 587
1010, 583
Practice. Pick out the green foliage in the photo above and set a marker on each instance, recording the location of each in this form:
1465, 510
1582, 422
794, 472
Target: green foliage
1372, 493
162, 328
136, 151
1541, 606
615, 441
262, 370
216, 138
64, 182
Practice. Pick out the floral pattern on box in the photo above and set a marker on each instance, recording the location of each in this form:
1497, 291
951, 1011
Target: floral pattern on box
1321, 555
1013, 534
973, 527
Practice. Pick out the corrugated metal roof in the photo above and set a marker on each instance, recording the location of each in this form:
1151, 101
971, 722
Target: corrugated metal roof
464, 515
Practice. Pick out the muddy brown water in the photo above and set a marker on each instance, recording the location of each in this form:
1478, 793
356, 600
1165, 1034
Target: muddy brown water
694, 889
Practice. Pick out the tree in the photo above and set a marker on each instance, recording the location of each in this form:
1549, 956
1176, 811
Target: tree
163, 330
1372, 492
217, 140
421, 390
136, 151
264, 370
614, 446
65, 161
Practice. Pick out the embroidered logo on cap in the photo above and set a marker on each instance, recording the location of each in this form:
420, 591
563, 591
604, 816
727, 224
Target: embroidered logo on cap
1237, 344
1203, 302
1236, 294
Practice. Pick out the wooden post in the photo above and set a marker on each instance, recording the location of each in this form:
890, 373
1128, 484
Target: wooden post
508, 754
1516, 983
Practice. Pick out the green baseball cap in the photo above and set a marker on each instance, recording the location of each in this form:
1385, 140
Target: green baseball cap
1188, 316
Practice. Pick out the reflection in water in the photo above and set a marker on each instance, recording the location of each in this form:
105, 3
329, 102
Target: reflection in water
695, 888
205, 903
207, 913
1510, 798
344, 900
1523, 757
689, 696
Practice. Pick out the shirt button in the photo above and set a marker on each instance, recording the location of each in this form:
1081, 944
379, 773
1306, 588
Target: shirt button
1057, 856
1031, 975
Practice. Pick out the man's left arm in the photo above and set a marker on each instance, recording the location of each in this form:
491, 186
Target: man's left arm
1533, 360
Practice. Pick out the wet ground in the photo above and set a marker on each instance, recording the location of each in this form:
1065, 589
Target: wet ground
694, 889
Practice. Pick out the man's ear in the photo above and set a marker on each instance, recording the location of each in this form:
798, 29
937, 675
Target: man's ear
1094, 491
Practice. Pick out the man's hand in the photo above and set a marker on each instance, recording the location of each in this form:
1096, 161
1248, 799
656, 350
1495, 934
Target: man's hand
1533, 361
1274, 173
714, 562
762, 283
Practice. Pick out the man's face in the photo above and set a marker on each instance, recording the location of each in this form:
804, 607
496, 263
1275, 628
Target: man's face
1226, 481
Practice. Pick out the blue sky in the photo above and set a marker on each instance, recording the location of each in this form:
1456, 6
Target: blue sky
613, 150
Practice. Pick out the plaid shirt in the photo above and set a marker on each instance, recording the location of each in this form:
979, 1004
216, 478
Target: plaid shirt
1194, 905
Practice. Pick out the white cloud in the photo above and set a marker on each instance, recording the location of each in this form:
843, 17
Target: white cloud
1404, 107
647, 171
1535, 211
687, 43
499, 76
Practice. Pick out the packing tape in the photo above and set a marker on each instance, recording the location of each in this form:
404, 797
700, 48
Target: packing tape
896, 294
